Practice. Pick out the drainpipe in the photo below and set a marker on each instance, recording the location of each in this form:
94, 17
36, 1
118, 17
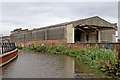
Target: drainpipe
85, 37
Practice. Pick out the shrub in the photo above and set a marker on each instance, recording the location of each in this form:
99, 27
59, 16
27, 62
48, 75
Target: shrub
41, 49
31, 48
60, 49
112, 68
19, 47
51, 49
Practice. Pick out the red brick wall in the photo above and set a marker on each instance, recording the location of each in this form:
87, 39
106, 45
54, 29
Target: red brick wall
100, 45
44, 42
69, 45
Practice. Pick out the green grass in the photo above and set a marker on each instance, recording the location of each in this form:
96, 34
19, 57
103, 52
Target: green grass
19, 47
25, 48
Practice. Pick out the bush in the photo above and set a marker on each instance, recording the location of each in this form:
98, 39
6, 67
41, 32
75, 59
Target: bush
31, 48
41, 49
60, 49
19, 47
112, 67
54, 49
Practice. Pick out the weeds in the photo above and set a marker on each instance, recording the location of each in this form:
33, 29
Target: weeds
19, 47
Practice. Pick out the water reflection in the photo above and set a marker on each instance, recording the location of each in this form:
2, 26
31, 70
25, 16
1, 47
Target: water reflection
40, 65
85, 71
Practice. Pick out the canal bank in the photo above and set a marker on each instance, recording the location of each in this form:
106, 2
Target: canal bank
30, 64
102, 59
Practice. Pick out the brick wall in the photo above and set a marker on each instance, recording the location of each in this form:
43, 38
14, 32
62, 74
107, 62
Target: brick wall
69, 45
100, 45
44, 42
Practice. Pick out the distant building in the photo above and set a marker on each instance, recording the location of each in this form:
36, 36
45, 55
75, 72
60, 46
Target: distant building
116, 36
6, 38
1, 35
93, 29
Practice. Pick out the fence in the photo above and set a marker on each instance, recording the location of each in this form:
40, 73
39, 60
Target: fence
6, 47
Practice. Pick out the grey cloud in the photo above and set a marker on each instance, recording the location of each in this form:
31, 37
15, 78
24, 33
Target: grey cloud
37, 14
119, 19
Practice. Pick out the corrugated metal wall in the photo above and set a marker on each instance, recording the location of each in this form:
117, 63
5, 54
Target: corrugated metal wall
38, 35
54, 33
107, 35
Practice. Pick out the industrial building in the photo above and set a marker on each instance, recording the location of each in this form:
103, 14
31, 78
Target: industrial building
93, 29
1, 35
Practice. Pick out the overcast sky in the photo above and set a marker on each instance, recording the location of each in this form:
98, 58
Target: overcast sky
40, 14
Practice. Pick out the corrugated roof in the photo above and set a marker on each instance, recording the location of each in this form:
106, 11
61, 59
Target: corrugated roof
86, 21
82, 21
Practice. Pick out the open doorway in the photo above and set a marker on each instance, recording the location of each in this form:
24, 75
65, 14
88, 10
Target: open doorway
77, 35
83, 34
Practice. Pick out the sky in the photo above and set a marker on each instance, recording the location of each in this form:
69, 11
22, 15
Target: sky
29, 15
119, 20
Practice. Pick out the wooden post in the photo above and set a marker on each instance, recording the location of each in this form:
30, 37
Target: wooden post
85, 36
99, 37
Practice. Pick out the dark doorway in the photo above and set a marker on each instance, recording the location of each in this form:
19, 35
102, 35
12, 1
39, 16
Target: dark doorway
89, 35
77, 35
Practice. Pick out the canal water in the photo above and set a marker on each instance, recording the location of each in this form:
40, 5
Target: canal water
31, 64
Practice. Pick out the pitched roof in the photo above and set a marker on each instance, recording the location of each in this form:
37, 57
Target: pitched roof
87, 21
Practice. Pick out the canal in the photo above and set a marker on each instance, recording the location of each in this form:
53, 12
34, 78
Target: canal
31, 64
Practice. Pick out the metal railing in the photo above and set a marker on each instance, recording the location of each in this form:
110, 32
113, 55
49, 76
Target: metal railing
6, 47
